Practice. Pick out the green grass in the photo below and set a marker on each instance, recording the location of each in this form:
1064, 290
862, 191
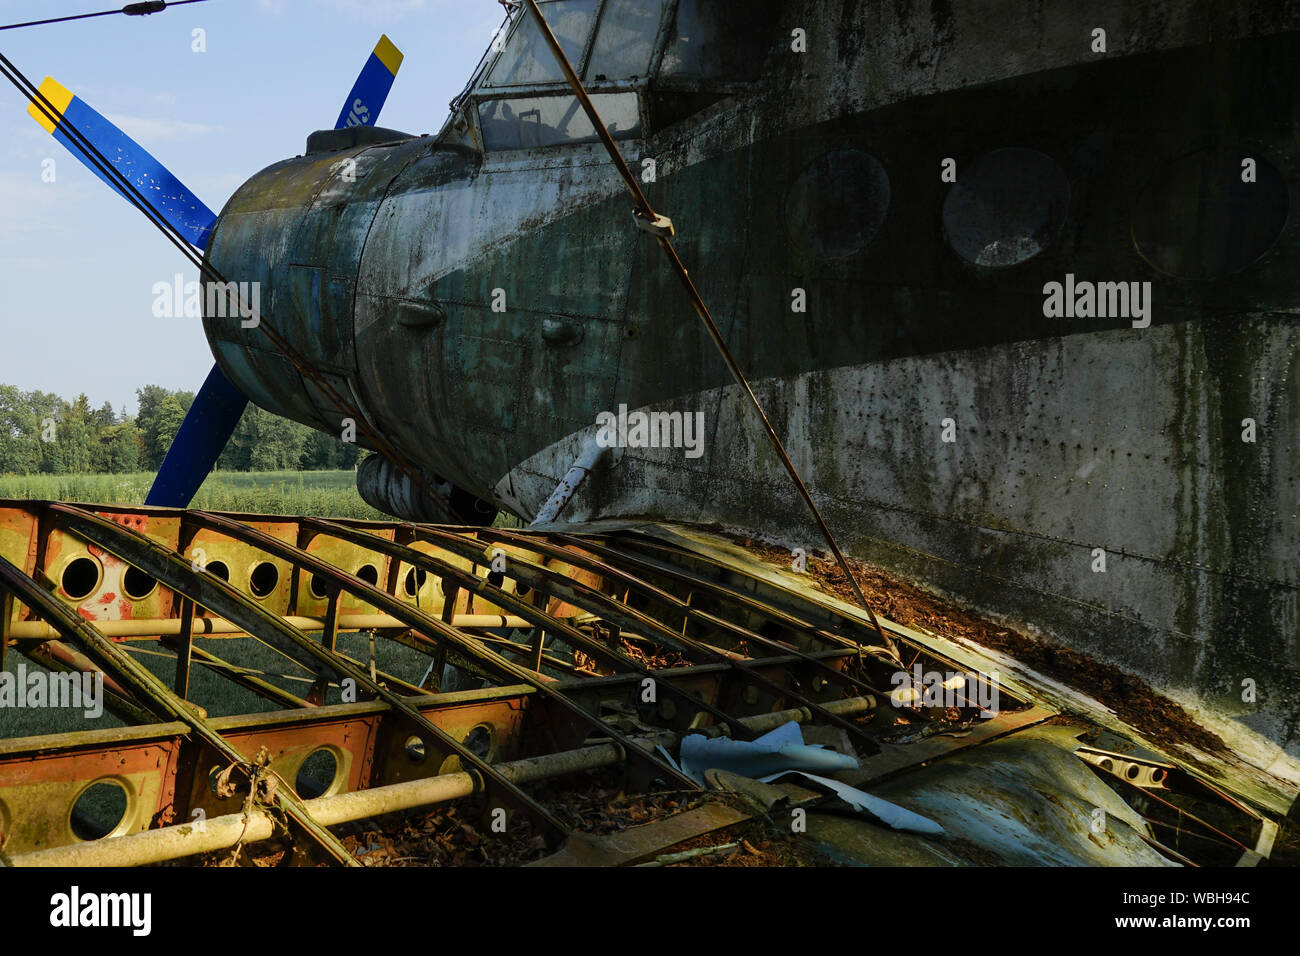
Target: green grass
323, 494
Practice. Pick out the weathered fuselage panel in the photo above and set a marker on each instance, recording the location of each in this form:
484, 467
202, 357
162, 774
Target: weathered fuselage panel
483, 305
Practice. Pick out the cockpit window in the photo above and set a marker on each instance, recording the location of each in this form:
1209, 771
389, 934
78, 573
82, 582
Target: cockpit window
526, 122
625, 41
528, 59
522, 100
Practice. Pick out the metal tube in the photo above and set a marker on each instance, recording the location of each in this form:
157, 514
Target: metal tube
591, 456
172, 627
220, 833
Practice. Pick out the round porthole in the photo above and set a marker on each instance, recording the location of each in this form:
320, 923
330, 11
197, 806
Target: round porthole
80, 578
263, 578
838, 204
318, 775
1199, 220
1006, 207
414, 580
137, 585
100, 810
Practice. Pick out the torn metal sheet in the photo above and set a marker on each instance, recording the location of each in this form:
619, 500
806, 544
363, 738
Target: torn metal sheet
781, 750
887, 813
1028, 801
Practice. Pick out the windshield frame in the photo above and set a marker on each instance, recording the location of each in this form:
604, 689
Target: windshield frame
465, 116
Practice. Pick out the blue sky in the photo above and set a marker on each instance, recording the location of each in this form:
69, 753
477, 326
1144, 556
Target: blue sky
78, 264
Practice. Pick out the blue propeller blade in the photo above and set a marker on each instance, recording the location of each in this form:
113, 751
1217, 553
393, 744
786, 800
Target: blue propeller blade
165, 192
366, 100
218, 407
208, 425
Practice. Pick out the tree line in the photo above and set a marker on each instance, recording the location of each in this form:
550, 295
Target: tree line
42, 433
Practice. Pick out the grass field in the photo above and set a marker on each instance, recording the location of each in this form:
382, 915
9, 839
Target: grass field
324, 494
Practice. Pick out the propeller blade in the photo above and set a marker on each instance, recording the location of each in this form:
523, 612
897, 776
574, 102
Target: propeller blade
165, 192
366, 100
208, 425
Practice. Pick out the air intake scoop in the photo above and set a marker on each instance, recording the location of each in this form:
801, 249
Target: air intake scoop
334, 140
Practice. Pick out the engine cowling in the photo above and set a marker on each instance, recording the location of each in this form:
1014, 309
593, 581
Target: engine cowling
383, 486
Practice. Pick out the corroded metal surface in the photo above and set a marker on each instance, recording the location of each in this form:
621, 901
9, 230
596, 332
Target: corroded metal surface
591, 650
482, 301
255, 581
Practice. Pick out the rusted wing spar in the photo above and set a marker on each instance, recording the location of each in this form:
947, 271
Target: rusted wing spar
583, 640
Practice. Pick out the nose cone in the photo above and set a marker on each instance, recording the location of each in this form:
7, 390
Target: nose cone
293, 237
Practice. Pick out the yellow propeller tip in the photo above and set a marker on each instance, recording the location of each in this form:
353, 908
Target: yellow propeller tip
389, 55
58, 96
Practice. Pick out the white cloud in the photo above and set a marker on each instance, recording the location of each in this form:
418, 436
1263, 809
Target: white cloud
219, 186
28, 203
145, 130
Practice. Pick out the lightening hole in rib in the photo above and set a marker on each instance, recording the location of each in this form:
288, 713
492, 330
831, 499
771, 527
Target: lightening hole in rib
80, 578
137, 585
481, 742
263, 579
317, 775
415, 750
415, 579
99, 810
